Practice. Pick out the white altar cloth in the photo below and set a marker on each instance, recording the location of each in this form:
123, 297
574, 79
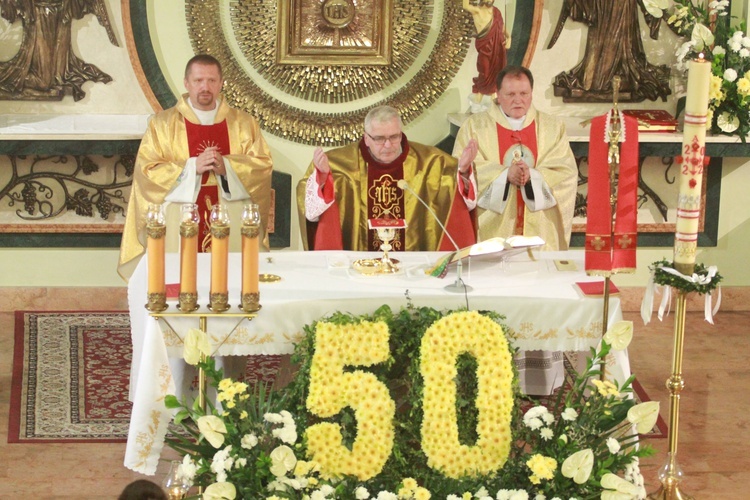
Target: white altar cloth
541, 304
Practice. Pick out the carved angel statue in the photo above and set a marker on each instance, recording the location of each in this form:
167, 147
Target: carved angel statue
45, 67
492, 42
613, 48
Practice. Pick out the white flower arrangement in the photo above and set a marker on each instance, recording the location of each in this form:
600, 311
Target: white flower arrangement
711, 33
256, 444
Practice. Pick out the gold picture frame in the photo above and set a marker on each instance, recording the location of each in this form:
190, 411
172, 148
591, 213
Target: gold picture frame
340, 32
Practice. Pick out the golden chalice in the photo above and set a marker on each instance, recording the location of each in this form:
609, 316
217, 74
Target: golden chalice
386, 235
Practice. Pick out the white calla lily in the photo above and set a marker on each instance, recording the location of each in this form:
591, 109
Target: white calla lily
616, 488
196, 343
644, 416
213, 429
282, 461
701, 36
619, 335
220, 491
578, 466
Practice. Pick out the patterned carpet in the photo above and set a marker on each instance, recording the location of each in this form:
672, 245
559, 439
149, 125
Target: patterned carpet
70, 377
71, 373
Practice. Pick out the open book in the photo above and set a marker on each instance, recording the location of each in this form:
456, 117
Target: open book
502, 248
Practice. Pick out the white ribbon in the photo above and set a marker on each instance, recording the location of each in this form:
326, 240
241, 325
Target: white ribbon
651, 288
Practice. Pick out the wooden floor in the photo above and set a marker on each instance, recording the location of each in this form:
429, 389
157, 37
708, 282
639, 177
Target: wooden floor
713, 434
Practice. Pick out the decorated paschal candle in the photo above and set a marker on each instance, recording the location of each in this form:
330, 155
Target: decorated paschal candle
691, 170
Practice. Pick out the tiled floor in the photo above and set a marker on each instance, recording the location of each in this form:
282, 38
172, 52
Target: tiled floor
714, 416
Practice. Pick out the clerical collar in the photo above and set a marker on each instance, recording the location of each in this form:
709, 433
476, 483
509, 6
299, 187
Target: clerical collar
205, 117
515, 123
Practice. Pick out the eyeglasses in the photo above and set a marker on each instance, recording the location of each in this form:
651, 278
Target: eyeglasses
380, 140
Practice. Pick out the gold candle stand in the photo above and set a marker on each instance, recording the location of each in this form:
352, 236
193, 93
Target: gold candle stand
203, 326
670, 475
156, 301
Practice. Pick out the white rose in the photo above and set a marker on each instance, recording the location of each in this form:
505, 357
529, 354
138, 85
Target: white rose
730, 75
613, 445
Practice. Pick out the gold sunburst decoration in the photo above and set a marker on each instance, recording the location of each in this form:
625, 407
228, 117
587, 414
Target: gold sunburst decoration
254, 26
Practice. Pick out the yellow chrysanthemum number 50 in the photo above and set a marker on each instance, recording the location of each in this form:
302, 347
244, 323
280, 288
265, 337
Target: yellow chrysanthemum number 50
337, 346
366, 344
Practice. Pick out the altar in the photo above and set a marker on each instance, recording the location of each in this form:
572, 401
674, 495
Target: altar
543, 307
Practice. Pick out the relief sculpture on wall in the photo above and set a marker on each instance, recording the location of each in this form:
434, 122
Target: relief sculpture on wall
613, 48
45, 68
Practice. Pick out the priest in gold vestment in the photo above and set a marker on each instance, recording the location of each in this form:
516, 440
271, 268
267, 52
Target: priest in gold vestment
201, 150
526, 173
346, 187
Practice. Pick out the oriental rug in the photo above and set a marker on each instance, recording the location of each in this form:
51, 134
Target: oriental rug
71, 372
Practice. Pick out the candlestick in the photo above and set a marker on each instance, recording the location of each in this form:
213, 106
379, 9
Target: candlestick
691, 171
188, 299
219, 296
250, 298
155, 232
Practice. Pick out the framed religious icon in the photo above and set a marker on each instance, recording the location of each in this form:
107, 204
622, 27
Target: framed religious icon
339, 32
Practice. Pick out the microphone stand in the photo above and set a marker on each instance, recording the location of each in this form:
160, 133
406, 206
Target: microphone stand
457, 286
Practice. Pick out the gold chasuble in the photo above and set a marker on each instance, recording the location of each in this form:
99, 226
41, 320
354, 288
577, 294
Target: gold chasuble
363, 188
554, 161
163, 153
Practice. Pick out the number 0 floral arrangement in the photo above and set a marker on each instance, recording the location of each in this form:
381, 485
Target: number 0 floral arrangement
413, 404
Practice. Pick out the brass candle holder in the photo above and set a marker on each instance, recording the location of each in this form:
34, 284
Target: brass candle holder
219, 296
156, 230
250, 294
188, 297
671, 474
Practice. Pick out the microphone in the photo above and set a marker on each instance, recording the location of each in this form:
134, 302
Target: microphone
457, 286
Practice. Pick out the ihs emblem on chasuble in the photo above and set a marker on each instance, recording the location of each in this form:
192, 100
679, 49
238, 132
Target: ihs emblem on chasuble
386, 199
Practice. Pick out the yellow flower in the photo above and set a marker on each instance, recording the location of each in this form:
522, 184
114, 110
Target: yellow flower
410, 484
743, 86
196, 343
422, 494
213, 429
542, 467
243, 415
220, 491
715, 92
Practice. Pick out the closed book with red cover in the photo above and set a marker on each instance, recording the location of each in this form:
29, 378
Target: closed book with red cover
653, 120
596, 288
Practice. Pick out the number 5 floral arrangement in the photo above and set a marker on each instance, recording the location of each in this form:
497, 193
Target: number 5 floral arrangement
414, 404
710, 32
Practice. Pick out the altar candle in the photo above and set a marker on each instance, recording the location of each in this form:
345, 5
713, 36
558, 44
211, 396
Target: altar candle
691, 170
189, 248
219, 249
155, 231
250, 248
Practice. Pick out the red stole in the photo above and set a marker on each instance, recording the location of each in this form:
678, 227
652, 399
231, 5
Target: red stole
604, 258
508, 143
199, 138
